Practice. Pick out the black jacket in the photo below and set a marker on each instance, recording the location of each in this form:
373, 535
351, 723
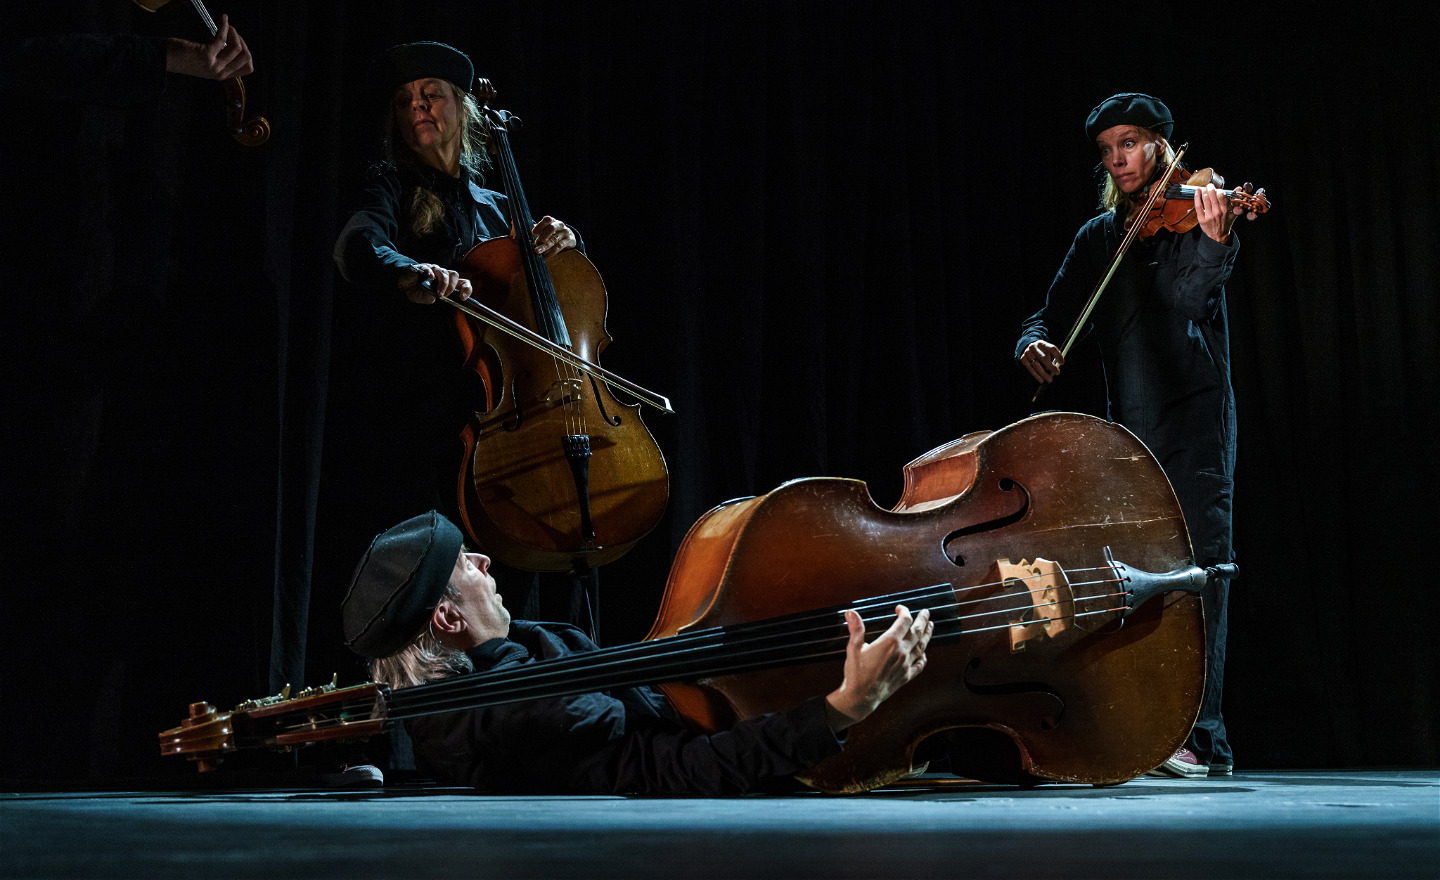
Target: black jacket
1160, 333
617, 742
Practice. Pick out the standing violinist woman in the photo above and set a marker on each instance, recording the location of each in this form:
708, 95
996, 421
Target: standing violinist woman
1160, 336
421, 208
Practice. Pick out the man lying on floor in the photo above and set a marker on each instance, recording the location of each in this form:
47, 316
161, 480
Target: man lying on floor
421, 607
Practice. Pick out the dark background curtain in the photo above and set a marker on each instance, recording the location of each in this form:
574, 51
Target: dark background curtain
820, 226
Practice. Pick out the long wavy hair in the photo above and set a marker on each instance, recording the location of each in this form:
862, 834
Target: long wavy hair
424, 659
1111, 198
424, 208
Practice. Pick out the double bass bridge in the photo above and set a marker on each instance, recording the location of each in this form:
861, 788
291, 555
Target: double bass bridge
1049, 601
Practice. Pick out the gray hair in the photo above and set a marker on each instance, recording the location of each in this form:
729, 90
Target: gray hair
424, 659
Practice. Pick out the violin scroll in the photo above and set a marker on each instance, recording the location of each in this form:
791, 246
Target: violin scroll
250, 132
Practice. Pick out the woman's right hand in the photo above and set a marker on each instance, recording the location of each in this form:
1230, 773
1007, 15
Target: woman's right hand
444, 282
1042, 360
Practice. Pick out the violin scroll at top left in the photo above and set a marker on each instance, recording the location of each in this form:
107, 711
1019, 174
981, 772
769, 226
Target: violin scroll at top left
251, 131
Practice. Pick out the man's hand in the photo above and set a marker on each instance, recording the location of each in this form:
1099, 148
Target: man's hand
1042, 360
224, 57
875, 671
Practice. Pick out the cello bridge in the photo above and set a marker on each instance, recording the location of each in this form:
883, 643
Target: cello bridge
563, 393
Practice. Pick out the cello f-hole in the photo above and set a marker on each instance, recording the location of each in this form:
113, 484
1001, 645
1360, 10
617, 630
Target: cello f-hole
612, 421
514, 424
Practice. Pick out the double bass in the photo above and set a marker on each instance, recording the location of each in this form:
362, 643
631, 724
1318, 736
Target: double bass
557, 473
1032, 546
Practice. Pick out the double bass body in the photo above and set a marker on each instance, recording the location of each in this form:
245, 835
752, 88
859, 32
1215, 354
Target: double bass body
1083, 697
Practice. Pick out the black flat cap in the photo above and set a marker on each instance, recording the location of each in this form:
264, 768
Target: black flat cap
398, 583
411, 61
1130, 108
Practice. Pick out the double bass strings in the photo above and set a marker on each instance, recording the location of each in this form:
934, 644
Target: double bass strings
797, 638
716, 650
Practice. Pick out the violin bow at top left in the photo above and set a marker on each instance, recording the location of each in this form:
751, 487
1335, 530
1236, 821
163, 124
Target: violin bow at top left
251, 132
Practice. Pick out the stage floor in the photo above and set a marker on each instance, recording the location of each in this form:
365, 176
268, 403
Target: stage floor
1267, 824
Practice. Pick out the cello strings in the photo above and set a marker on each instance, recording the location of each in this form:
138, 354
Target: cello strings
550, 324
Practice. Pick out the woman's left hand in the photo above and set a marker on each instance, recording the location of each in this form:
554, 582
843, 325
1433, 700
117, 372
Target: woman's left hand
1212, 210
552, 236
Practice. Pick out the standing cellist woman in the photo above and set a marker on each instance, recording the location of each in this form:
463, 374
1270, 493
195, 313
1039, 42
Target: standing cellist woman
1160, 333
420, 209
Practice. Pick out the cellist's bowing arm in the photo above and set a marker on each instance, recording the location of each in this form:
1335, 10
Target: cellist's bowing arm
875, 671
426, 281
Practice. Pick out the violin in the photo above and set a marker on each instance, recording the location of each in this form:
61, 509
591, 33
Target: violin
1168, 205
1034, 548
252, 131
1175, 208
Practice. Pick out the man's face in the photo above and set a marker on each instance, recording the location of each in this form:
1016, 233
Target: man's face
1128, 153
481, 607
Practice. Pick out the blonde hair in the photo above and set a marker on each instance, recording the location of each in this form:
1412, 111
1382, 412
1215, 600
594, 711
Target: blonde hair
424, 208
1111, 197
424, 659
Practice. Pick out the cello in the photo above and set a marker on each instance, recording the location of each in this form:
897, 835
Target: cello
557, 474
1032, 547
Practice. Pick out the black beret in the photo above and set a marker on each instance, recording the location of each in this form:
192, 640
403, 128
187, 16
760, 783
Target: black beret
398, 583
1130, 108
411, 61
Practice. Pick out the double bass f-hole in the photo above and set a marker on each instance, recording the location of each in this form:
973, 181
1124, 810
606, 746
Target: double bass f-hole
1013, 493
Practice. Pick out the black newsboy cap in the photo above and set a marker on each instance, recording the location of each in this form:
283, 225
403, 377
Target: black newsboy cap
1130, 108
398, 583
411, 61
